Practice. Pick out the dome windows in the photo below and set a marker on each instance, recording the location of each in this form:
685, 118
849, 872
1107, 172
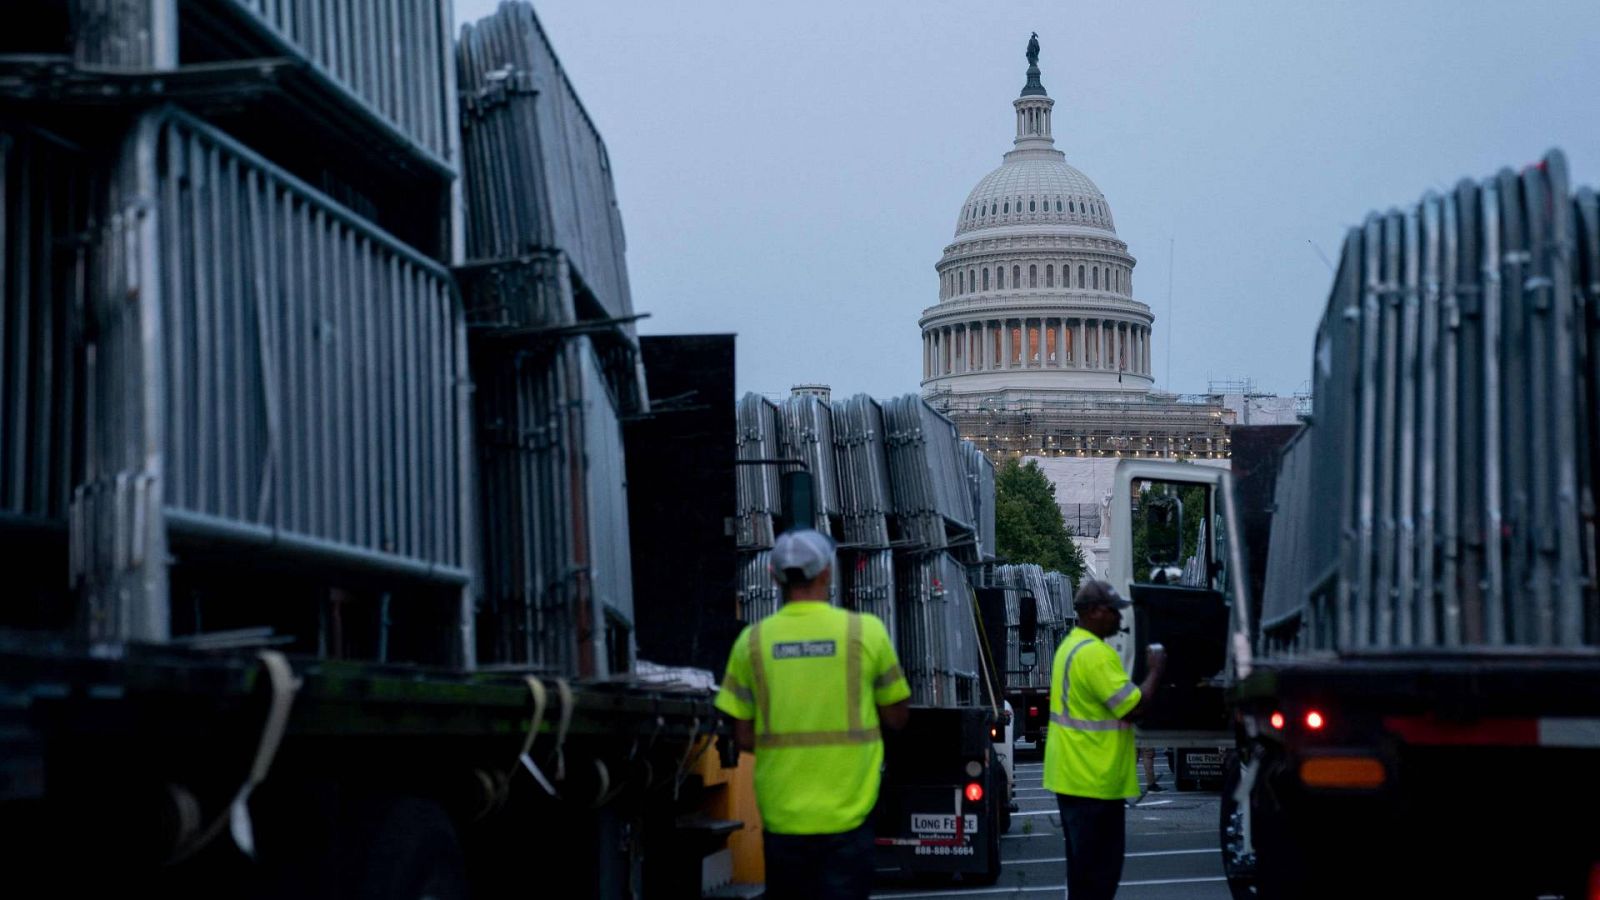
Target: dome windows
1058, 204
1007, 207
999, 278
1049, 276
1016, 275
1030, 206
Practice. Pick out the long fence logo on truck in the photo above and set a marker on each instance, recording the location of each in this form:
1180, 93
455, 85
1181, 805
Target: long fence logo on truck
803, 649
941, 823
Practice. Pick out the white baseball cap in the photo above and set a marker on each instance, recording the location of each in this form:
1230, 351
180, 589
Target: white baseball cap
805, 549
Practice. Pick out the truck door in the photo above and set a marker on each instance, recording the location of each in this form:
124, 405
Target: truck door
1171, 555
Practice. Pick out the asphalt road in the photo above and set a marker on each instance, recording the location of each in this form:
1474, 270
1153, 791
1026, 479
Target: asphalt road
1173, 848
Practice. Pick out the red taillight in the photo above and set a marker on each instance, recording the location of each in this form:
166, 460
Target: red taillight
1033, 712
1314, 720
1594, 882
974, 792
1277, 721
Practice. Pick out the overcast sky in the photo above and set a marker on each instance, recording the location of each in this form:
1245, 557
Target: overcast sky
792, 172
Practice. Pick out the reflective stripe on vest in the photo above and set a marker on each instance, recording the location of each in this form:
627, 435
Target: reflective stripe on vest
1066, 721
854, 733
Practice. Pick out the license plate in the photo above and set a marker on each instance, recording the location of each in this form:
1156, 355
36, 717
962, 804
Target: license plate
941, 823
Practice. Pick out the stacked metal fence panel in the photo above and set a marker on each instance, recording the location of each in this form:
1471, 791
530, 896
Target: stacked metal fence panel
1452, 408
554, 511
759, 501
313, 379
864, 491
534, 292
928, 479
759, 596
980, 478
936, 636
537, 176
807, 434
869, 584
46, 205
554, 354
390, 56
1288, 620
1052, 622
263, 368
1061, 592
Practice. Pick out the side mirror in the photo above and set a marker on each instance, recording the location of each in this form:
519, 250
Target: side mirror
1027, 630
1163, 529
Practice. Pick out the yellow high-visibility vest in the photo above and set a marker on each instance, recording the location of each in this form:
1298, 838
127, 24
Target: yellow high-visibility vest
812, 677
1090, 749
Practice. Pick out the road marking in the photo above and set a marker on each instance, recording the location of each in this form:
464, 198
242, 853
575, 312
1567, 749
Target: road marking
1151, 803
1018, 890
1140, 854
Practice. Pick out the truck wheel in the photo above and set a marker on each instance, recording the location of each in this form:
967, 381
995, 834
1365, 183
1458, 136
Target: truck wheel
404, 848
1236, 867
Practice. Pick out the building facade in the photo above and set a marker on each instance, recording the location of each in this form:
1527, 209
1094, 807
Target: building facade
1037, 346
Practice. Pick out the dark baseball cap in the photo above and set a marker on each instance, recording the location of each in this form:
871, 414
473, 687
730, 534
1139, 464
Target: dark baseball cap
1100, 593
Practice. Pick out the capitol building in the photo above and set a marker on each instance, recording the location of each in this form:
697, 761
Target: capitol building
1036, 292
1038, 348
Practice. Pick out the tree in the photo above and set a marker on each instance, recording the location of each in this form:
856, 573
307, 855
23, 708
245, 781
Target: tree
1029, 527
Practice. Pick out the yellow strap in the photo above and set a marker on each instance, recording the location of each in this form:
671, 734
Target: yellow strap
852, 671
817, 738
758, 674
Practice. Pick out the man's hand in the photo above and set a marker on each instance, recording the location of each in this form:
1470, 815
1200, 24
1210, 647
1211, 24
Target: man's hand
1155, 658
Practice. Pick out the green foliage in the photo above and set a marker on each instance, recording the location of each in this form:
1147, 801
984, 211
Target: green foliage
1029, 527
1194, 500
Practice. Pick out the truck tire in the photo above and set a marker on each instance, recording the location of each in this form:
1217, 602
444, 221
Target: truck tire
404, 848
1241, 878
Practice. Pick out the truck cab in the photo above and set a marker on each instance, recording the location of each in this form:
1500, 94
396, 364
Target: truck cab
1173, 555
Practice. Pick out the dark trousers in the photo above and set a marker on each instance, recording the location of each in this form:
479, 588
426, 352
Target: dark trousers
819, 866
1096, 838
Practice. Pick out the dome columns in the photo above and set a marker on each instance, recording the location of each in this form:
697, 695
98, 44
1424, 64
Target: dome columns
1044, 342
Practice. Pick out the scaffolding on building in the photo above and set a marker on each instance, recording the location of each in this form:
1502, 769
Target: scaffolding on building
1143, 427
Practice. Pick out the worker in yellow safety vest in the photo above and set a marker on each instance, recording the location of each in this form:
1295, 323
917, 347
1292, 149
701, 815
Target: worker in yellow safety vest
807, 688
1089, 754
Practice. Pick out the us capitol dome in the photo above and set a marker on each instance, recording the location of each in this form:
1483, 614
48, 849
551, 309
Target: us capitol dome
1036, 290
